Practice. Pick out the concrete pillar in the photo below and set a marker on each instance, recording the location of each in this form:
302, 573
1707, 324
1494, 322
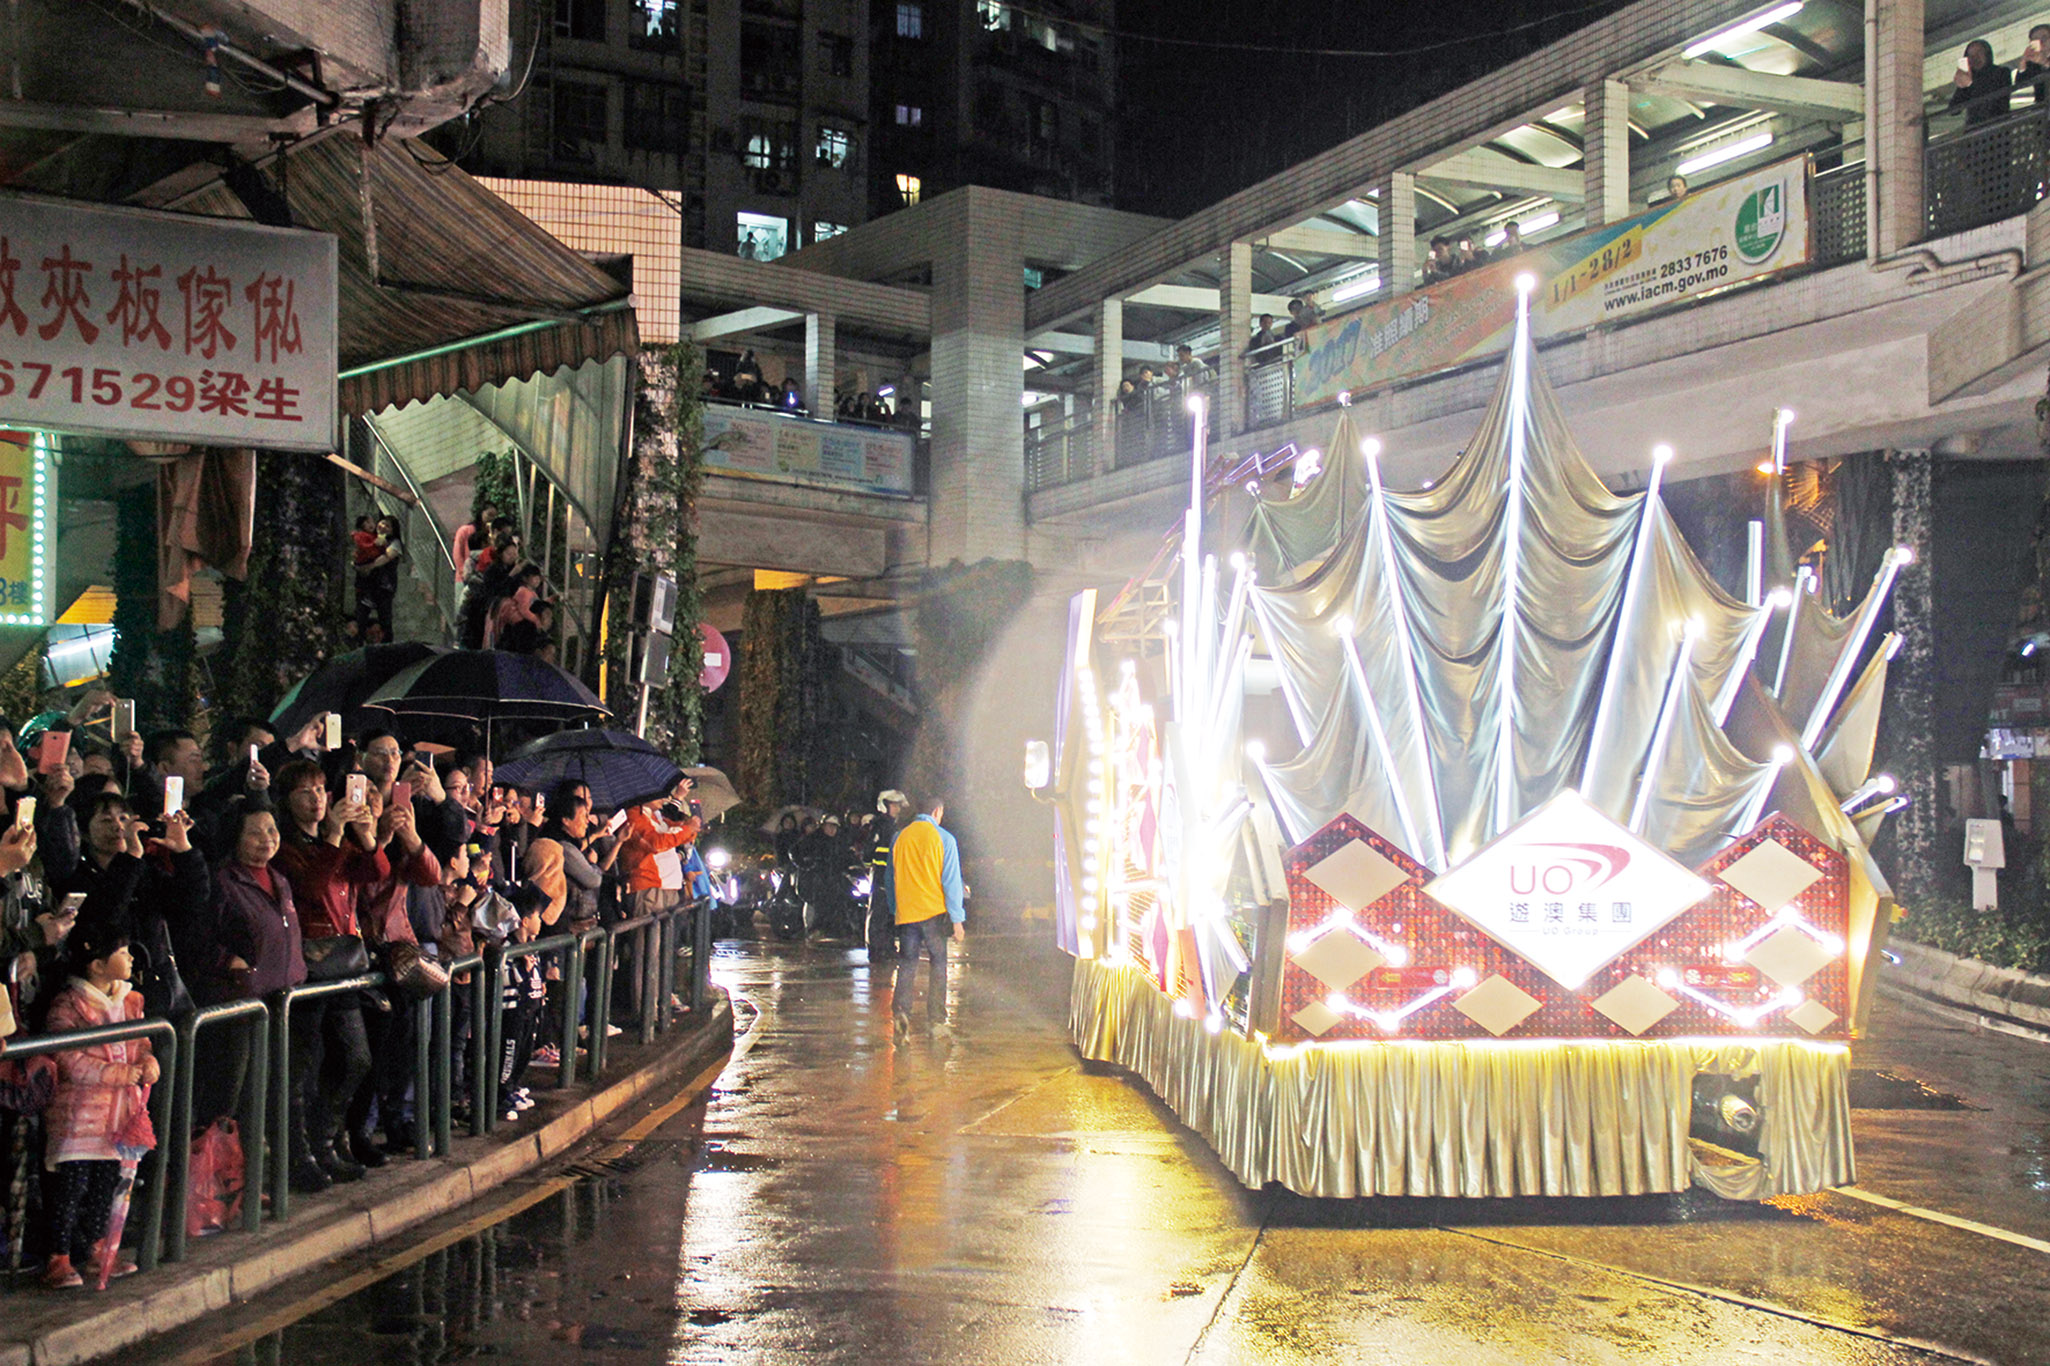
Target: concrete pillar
820, 363
1235, 326
1910, 723
1110, 368
1894, 213
977, 499
1395, 207
1606, 155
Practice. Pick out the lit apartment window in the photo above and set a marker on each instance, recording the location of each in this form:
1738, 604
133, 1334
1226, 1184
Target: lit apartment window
910, 116
821, 229
763, 237
911, 21
652, 24
834, 147
908, 187
996, 16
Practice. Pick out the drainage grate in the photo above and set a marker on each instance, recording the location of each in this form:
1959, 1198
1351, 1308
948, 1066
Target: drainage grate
1873, 1089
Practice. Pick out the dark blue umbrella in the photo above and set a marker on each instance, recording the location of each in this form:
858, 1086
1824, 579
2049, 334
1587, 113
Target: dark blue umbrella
487, 686
620, 768
345, 682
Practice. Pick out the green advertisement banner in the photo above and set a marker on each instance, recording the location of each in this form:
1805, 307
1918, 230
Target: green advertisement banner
1735, 230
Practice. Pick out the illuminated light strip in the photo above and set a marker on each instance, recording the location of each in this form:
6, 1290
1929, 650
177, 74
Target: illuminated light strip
1289, 694
1390, 1021
1789, 917
1383, 529
1663, 730
1341, 922
1854, 645
1738, 30
1726, 696
1638, 553
1754, 563
39, 520
1380, 736
1746, 1016
1782, 418
1505, 688
1802, 588
1192, 545
1881, 786
1729, 151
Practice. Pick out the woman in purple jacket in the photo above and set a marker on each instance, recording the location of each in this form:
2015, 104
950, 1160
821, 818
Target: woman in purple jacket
256, 951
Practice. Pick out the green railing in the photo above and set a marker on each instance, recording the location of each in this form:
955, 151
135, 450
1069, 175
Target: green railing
657, 944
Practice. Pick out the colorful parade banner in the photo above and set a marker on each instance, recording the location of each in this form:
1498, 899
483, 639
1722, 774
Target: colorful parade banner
766, 445
27, 540
1736, 230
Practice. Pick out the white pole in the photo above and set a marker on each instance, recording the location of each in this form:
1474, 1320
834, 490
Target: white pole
1668, 707
1639, 552
1726, 696
1410, 844
1782, 418
1854, 644
1384, 532
1505, 689
1779, 680
1754, 562
1192, 555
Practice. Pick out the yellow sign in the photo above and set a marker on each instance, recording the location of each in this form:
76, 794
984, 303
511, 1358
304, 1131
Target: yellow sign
25, 550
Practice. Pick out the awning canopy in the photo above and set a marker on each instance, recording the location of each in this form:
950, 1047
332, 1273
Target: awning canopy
464, 292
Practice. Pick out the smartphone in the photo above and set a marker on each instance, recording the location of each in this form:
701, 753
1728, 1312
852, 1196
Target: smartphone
334, 730
174, 795
25, 813
124, 716
56, 745
1964, 63
358, 788
72, 904
618, 819
253, 749
401, 794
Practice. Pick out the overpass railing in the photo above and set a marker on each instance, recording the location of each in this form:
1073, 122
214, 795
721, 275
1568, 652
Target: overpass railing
1981, 175
631, 970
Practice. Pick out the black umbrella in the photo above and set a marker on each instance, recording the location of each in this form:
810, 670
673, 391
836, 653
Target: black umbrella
345, 683
620, 768
487, 686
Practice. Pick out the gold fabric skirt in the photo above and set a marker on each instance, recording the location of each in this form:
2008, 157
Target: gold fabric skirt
1471, 1117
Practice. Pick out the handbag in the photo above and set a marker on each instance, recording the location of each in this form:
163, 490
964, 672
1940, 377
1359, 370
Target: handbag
335, 957
413, 972
215, 1179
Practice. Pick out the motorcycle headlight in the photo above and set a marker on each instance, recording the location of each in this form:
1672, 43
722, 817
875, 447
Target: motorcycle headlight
717, 858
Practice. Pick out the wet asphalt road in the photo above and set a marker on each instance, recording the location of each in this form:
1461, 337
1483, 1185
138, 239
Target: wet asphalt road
986, 1199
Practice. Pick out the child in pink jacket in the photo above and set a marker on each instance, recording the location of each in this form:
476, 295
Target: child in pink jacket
101, 1104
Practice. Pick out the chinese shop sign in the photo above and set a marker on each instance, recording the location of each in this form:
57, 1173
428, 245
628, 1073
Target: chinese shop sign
124, 323
1569, 889
26, 551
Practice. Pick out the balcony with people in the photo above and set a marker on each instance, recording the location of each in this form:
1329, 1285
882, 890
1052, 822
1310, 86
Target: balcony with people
1776, 99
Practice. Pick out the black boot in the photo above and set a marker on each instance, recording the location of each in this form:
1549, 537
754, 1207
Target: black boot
338, 1167
306, 1176
364, 1148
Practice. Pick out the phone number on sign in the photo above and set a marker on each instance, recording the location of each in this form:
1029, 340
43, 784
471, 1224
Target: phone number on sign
1708, 256
229, 393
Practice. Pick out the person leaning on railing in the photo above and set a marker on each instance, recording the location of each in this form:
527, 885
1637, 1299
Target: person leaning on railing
258, 949
326, 850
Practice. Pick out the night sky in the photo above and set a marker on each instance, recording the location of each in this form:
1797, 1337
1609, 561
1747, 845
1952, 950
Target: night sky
1197, 123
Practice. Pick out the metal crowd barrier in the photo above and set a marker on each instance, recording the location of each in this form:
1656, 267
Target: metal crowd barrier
659, 943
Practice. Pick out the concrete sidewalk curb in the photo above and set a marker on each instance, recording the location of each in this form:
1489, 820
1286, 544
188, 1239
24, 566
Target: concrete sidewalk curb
1971, 984
62, 1330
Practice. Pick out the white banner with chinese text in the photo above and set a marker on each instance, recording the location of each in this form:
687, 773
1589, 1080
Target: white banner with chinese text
131, 324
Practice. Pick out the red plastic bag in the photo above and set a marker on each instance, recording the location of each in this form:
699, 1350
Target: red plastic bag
214, 1199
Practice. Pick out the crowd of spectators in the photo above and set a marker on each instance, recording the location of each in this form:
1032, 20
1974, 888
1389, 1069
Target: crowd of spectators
744, 384
135, 880
505, 598
1984, 88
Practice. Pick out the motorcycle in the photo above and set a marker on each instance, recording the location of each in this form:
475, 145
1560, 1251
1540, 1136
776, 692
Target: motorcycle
784, 905
834, 898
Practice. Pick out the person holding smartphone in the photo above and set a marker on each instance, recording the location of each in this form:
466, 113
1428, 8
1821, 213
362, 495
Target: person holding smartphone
1980, 85
2032, 68
151, 884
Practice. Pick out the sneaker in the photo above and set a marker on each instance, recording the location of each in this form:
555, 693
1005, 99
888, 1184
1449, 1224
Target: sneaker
523, 1099
548, 1055
59, 1274
613, 1031
900, 1032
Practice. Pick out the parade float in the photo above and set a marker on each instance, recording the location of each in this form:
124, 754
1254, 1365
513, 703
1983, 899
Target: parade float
1472, 840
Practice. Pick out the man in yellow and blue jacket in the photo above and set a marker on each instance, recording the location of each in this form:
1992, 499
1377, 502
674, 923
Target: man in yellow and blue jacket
925, 872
